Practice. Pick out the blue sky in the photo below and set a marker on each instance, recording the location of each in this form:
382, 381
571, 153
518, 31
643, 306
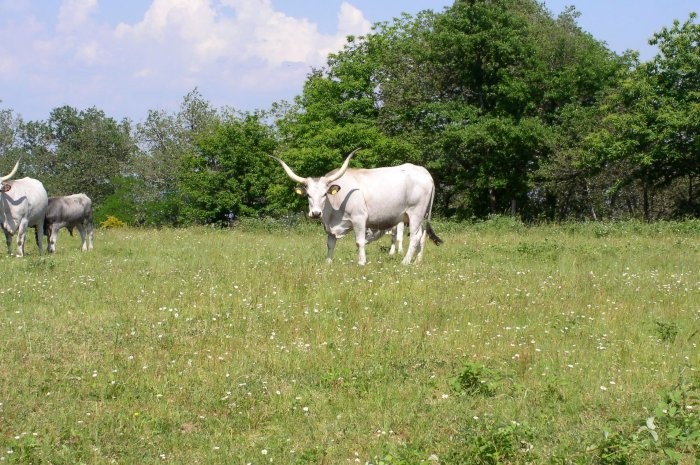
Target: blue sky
126, 57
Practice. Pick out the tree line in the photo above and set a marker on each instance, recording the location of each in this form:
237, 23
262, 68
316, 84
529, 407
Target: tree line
512, 110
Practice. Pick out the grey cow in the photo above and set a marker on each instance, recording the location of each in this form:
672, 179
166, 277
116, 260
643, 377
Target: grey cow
377, 199
23, 205
396, 234
70, 211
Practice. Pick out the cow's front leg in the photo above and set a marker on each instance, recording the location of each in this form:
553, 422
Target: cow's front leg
21, 236
53, 237
331, 248
361, 241
8, 239
20, 244
39, 234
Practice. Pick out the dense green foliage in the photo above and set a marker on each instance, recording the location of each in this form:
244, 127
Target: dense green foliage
511, 109
555, 344
650, 131
77, 151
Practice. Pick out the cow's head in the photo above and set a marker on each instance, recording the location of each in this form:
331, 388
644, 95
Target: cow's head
317, 189
6, 187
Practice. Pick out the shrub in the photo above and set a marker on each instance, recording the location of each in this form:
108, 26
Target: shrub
476, 379
487, 442
671, 436
112, 222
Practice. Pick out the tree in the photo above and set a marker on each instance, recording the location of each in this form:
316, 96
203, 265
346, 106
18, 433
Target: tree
473, 94
78, 151
9, 129
165, 141
675, 75
228, 174
650, 127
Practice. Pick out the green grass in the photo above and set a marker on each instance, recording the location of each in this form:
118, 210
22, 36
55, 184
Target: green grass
242, 346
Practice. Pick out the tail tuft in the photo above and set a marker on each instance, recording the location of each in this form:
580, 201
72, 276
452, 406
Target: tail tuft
431, 234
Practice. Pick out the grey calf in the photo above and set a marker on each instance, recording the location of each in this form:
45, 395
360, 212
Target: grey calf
70, 211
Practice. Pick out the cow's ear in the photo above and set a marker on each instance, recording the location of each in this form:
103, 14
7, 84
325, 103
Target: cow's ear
301, 190
6, 187
334, 189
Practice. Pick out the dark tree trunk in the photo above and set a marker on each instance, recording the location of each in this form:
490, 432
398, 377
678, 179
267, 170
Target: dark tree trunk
646, 206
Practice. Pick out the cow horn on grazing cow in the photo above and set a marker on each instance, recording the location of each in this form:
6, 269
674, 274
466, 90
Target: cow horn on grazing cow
12, 173
294, 177
70, 211
376, 199
23, 205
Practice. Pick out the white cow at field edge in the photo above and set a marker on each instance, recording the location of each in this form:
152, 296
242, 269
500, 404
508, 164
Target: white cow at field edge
378, 199
23, 205
70, 211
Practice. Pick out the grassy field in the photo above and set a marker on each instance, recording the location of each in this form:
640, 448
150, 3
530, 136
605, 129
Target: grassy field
509, 344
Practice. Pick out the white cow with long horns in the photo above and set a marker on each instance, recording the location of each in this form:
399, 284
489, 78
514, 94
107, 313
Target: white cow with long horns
23, 205
378, 199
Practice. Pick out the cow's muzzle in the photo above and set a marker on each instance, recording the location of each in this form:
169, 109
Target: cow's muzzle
315, 214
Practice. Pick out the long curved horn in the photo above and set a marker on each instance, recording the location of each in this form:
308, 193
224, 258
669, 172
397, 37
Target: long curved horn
290, 173
342, 169
12, 173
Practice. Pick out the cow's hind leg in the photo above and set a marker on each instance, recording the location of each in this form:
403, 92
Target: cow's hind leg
413, 244
415, 232
83, 237
394, 237
419, 256
90, 234
397, 239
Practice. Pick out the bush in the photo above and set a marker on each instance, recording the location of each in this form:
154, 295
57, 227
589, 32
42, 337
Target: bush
476, 379
671, 436
112, 222
490, 442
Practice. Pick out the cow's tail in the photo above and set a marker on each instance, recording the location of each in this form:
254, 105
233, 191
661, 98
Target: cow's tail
431, 234
428, 228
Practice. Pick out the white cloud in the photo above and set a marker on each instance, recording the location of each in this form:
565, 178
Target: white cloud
241, 44
189, 19
90, 53
8, 65
201, 30
74, 13
232, 49
352, 21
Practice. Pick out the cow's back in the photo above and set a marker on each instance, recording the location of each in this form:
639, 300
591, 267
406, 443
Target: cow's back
385, 193
69, 208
